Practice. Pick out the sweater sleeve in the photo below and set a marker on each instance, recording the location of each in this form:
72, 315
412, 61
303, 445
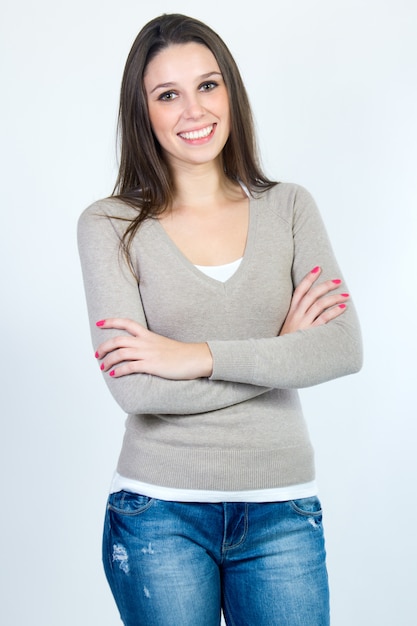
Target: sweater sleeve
306, 357
112, 291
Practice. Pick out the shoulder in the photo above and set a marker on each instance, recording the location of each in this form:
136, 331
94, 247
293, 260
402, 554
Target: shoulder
109, 208
107, 214
285, 192
284, 199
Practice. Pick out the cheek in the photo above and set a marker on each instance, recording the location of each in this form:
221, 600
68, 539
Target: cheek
162, 122
224, 105
154, 120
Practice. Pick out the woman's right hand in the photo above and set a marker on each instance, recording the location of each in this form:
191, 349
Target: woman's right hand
314, 305
141, 351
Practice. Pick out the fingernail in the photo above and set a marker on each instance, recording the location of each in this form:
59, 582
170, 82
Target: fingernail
344, 295
336, 281
100, 323
342, 306
111, 373
102, 366
96, 355
315, 269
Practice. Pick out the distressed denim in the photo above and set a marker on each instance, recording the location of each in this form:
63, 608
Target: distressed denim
178, 564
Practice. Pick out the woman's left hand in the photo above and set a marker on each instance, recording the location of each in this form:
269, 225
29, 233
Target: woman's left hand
142, 351
314, 305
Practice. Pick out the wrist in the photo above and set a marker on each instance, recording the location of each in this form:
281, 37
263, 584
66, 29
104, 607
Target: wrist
203, 360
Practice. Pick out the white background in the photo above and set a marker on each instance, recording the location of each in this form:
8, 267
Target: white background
333, 87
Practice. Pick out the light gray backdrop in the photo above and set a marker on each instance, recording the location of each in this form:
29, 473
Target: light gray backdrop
333, 87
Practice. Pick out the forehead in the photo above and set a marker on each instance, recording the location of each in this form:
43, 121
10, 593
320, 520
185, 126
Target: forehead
180, 60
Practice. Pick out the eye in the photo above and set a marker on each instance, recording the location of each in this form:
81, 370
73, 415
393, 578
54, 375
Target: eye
167, 96
208, 85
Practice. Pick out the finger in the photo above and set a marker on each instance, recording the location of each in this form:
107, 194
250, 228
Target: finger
326, 302
307, 318
309, 279
304, 286
330, 314
117, 357
121, 323
116, 343
131, 367
318, 292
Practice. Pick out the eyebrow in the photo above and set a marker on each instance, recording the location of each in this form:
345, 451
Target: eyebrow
170, 85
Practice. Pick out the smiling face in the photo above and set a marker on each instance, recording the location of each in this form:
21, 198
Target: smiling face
188, 103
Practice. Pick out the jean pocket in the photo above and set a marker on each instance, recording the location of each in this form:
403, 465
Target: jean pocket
309, 507
127, 503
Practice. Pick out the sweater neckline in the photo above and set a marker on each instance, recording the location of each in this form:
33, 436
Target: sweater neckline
169, 243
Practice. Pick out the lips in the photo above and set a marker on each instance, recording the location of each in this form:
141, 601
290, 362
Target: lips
202, 133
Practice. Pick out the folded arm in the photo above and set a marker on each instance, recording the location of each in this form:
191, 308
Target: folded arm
112, 292
307, 352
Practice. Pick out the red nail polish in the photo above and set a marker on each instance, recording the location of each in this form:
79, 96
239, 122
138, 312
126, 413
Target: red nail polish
315, 269
102, 366
342, 306
344, 295
336, 281
100, 323
96, 355
111, 373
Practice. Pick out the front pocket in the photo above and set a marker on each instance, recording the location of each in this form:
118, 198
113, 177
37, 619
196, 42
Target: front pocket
307, 506
128, 503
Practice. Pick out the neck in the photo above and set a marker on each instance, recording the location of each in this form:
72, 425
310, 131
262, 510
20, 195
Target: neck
203, 186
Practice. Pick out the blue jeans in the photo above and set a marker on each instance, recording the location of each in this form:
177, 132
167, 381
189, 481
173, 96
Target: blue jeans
177, 564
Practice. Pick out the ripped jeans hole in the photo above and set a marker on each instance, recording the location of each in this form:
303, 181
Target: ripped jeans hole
120, 556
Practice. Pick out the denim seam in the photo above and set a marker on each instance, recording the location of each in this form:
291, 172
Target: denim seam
226, 548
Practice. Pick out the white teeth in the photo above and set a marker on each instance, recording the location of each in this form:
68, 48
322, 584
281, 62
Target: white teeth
198, 134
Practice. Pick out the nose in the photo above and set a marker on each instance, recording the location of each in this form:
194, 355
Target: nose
193, 108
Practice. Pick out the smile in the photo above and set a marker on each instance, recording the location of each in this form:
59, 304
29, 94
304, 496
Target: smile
198, 134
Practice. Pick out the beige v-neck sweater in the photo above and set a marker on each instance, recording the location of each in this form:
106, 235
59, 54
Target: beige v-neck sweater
242, 428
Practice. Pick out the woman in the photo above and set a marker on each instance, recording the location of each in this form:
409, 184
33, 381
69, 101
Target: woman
213, 294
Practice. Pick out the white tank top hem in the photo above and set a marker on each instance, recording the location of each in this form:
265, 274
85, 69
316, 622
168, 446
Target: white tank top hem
278, 494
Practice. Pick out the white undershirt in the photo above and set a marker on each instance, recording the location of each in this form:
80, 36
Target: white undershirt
220, 272
278, 494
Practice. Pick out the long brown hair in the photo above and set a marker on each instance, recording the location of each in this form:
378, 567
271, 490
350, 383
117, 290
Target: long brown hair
144, 180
